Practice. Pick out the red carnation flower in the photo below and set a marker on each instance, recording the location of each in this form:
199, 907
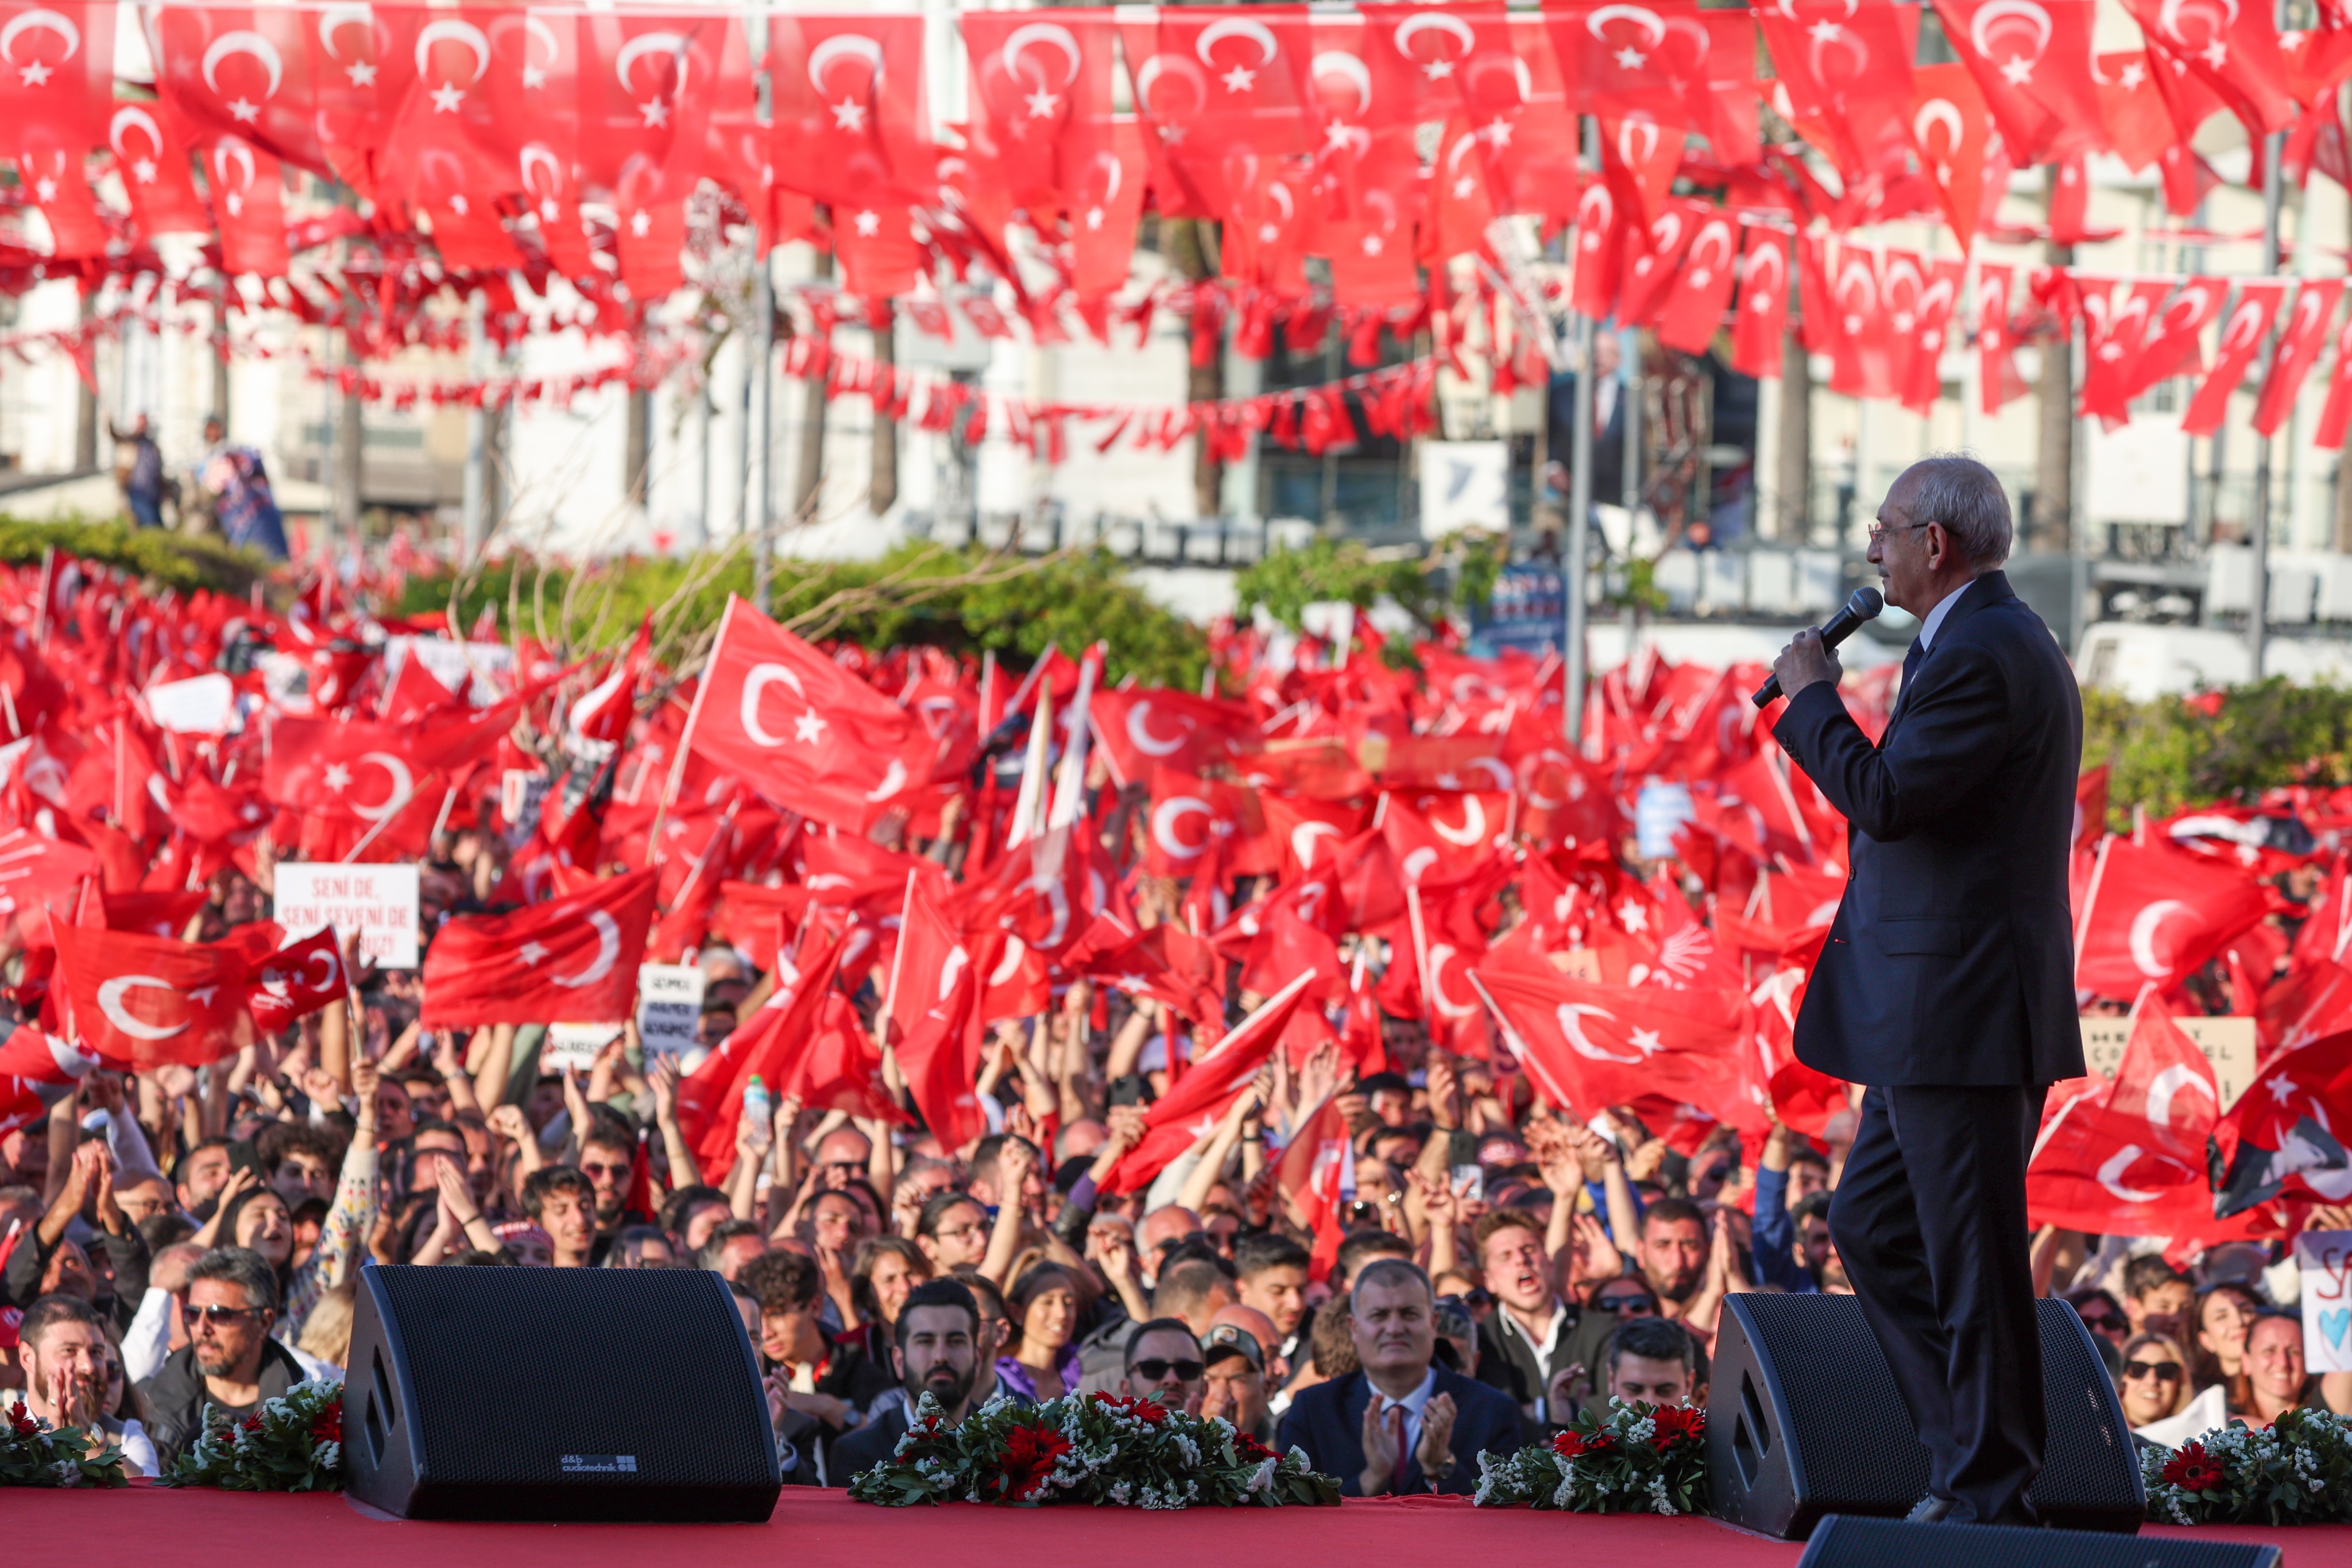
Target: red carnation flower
1249, 1447
1672, 1423
1142, 1409
327, 1426
2192, 1469
1029, 1458
21, 1422
251, 1423
1570, 1445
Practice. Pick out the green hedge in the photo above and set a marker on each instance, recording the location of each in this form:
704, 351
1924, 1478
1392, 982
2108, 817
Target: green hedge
2177, 752
173, 560
1068, 600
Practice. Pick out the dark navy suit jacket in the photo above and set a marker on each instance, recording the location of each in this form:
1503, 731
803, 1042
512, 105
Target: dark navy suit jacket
1328, 1421
1951, 960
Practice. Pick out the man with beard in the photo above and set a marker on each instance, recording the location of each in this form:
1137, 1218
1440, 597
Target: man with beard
608, 1155
230, 1361
935, 1345
1673, 1251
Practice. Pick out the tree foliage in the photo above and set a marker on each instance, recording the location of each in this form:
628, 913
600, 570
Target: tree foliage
168, 559
960, 599
1286, 581
2232, 745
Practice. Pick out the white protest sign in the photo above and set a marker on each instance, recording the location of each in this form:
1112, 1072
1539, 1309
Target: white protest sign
2326, 1258
379, 902
574, 1045
2228, 1044
669, 1009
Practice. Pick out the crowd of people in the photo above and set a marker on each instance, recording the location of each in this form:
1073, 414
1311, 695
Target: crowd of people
1402, 1235
185, 1239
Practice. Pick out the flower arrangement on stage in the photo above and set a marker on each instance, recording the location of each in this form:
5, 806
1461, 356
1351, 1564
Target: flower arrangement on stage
2297, 1472
1636, 1458
1087, 1448
35, 1454
294, 1443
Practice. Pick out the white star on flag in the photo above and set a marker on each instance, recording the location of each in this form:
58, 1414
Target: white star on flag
336, 778
1634, 918
241, 110
362, 73
808, 727
1041, 104
1630, 59
1372, 245
1241, 79
446, 97
531, 952
534, 76
144, 171
656, 111
1645, 1041
35, 75
203, 995
641, 222
869, 223
1438, 70
848, 115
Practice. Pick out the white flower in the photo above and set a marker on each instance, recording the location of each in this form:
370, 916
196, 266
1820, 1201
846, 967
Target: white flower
1263, 1477
68, 1473
331, 1456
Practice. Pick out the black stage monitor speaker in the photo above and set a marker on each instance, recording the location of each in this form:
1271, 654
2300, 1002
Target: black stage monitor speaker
1803, 1420
1843, 1541
555, 1394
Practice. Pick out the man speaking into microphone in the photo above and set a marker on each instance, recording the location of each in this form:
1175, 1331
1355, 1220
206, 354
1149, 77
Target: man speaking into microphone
1945, 987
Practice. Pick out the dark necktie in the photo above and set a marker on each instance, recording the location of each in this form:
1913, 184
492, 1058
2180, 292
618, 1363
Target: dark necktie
1912, 659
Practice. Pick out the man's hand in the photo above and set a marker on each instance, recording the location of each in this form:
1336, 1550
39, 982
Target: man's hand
1383, 1441
1435, 1452
663, 1081
109, 1213
509, 1122
1805, 660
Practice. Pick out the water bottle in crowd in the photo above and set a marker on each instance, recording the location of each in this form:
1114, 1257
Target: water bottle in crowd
759, 1112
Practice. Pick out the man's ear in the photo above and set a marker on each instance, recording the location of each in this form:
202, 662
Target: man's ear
1698, 1394
898, 1362
1127, 1387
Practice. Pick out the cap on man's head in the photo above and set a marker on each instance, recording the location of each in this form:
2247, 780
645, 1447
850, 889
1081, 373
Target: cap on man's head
1231, 1339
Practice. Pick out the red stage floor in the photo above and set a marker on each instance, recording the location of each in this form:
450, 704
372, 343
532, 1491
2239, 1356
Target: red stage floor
149, 1524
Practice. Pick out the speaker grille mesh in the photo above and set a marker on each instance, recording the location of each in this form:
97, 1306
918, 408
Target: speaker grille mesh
1851, 1430
517, 1369
1855, 1438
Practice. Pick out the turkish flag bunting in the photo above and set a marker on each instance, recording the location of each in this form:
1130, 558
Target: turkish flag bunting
2243, 331
850, 126
805, 732
2337, 414
572, 959
2171, 346
2032, 62
1763, 318
1951, 127
142, 1001
2234, 49
2115, 350
1040, 98
2299, 348
2152, 912
298, 979
1702, 289
1200, 1099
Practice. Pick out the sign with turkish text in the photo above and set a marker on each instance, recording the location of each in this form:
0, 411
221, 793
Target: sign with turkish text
2228, 1043
379, 902
575, 1045
2326, 1258
669, 1009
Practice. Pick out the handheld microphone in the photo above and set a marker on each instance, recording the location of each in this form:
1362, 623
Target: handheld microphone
1865, 605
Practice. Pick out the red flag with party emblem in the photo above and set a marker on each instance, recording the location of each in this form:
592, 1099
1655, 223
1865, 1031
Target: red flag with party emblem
569, 960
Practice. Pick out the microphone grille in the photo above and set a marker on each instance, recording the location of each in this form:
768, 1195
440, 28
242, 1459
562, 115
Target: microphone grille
1865, 603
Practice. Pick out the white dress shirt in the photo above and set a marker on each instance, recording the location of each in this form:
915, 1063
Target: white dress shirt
1413, 1404
1927, 628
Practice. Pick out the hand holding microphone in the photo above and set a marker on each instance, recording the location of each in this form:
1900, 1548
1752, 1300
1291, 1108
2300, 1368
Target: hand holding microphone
1863, 605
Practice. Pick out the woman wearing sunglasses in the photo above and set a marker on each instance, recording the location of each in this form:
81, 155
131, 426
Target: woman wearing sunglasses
2154, 1382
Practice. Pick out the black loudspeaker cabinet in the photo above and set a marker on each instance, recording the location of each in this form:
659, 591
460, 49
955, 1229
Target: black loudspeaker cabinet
1845, 1541
1803, 1420
555, 1394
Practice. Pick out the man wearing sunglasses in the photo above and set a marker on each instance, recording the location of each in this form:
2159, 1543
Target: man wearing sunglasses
1164, 1365
1946, 983
229, 1361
